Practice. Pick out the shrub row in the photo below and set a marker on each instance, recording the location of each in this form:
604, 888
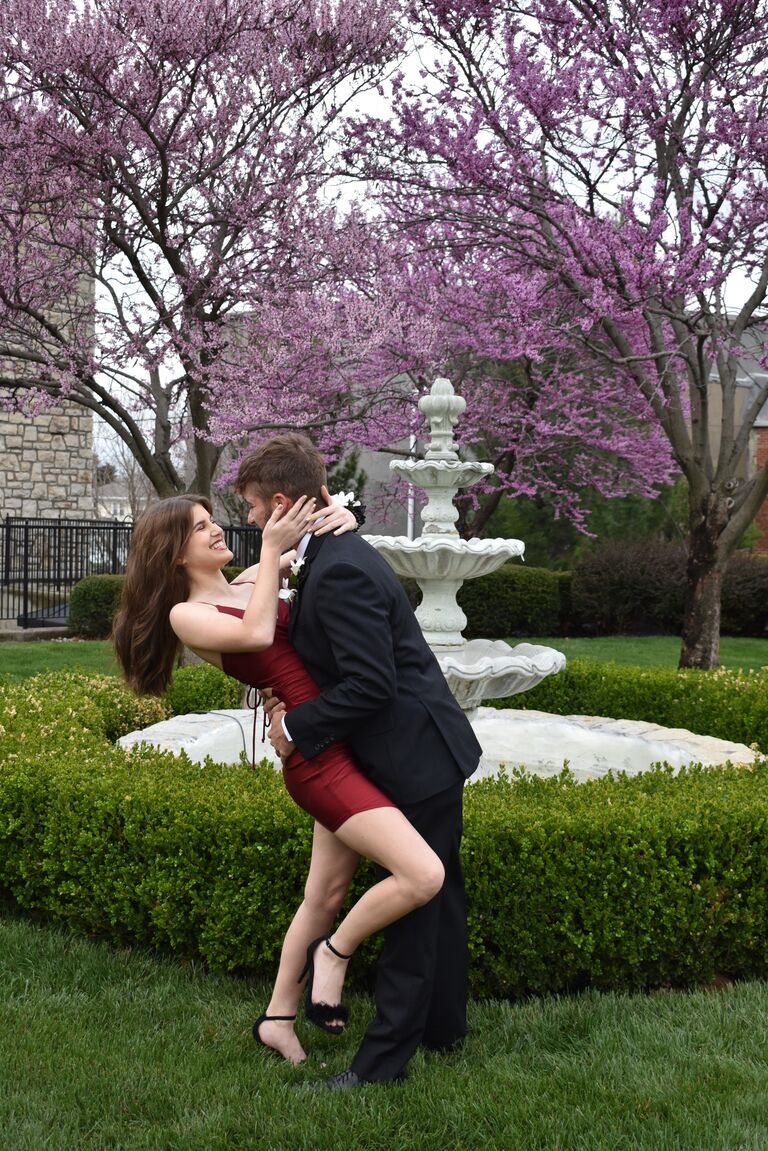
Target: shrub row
728, 703
617, 883
94, 601
514, 600
625, 586
620, 587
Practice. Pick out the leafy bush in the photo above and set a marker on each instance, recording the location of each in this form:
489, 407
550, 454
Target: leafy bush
619, 883
622, 882
92, 605
728, 703
629, 586
201, 687
513, 600
745, 596
639, 586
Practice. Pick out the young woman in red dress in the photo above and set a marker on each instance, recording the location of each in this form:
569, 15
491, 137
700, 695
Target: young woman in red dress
174, 594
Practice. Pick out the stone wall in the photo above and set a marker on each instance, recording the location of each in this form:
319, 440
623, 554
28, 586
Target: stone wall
46, 464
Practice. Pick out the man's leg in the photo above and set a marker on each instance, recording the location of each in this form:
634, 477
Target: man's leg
412, 951
446, 1023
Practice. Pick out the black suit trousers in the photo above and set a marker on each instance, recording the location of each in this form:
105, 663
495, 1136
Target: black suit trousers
421, 976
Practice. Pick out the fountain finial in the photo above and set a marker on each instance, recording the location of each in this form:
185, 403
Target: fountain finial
442, 407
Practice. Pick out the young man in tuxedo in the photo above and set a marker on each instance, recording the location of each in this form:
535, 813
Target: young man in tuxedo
383, 693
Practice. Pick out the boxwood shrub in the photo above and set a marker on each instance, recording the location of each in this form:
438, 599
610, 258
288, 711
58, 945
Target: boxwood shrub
202, 687
92, 605
639, 586
513, 600
727, 703
621, 883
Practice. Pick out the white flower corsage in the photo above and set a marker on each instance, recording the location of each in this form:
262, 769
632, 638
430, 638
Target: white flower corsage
346, 500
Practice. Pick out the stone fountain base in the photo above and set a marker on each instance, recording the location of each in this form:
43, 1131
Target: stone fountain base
540, 742
592, 745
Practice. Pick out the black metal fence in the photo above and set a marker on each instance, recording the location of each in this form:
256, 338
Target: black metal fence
42, 559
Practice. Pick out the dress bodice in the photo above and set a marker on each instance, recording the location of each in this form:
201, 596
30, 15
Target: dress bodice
277, 667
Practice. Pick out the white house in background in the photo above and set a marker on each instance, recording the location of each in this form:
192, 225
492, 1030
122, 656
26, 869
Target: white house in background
113, 502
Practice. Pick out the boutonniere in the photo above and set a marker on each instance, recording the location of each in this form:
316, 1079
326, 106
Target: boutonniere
297, 573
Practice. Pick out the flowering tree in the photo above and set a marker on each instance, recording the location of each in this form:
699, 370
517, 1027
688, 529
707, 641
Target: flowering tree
598, 171
410, 312
162, 167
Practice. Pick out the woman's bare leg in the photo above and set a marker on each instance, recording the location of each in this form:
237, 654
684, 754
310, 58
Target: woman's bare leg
331, 868
385, 836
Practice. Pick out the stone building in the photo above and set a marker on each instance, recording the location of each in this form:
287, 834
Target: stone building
46, 464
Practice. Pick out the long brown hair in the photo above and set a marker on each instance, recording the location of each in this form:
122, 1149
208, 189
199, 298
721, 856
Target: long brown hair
145, 643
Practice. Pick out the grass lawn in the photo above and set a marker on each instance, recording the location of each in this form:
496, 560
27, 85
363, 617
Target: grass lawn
28, 657
19, 660
105, 1049
652, 651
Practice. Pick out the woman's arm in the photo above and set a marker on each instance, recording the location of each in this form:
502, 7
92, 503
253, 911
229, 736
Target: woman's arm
201, 627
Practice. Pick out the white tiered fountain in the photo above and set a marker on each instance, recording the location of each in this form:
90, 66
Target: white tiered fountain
440, 561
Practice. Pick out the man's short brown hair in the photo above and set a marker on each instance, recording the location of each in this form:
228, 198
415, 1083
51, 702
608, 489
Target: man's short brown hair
288, 463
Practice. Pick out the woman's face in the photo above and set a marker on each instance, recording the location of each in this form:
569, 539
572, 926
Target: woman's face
205, 546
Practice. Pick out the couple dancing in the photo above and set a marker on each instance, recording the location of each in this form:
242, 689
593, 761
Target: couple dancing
372, 742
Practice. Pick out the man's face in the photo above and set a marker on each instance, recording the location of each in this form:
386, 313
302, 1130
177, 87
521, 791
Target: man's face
260, 507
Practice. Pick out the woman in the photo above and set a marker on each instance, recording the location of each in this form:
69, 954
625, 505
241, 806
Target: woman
174, 594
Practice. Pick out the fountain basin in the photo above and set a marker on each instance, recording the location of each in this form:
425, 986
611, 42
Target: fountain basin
440, 564
491, 669
445, 557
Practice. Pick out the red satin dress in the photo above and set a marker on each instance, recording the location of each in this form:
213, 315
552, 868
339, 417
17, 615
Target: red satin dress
330, 786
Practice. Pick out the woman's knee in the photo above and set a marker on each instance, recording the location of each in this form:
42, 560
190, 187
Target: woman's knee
427, 881
327, 897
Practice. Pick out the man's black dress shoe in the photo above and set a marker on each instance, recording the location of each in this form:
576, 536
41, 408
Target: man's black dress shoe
344, 1081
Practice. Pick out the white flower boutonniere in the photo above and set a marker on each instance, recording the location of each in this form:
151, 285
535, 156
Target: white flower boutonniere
294, 578
291, 581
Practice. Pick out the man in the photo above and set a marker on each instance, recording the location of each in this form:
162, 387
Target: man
383, 692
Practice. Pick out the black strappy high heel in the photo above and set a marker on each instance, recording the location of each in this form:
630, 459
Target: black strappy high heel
330, 1017
268, 1019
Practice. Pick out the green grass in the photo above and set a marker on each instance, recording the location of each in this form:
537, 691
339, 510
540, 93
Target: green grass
18, 660
652, 651
106, 1050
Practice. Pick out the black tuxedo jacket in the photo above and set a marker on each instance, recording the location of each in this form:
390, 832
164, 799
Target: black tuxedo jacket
383, 692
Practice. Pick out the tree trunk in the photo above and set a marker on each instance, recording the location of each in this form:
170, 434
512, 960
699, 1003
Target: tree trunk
701, 619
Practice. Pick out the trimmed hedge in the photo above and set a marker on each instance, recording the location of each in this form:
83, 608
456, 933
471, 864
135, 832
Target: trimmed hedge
620, 587
92, 606
622, 883
616, 883
727, 703
513, 600
639, 586
202, 687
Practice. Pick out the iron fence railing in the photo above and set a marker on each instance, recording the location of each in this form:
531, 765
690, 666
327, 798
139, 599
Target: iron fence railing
42, 559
